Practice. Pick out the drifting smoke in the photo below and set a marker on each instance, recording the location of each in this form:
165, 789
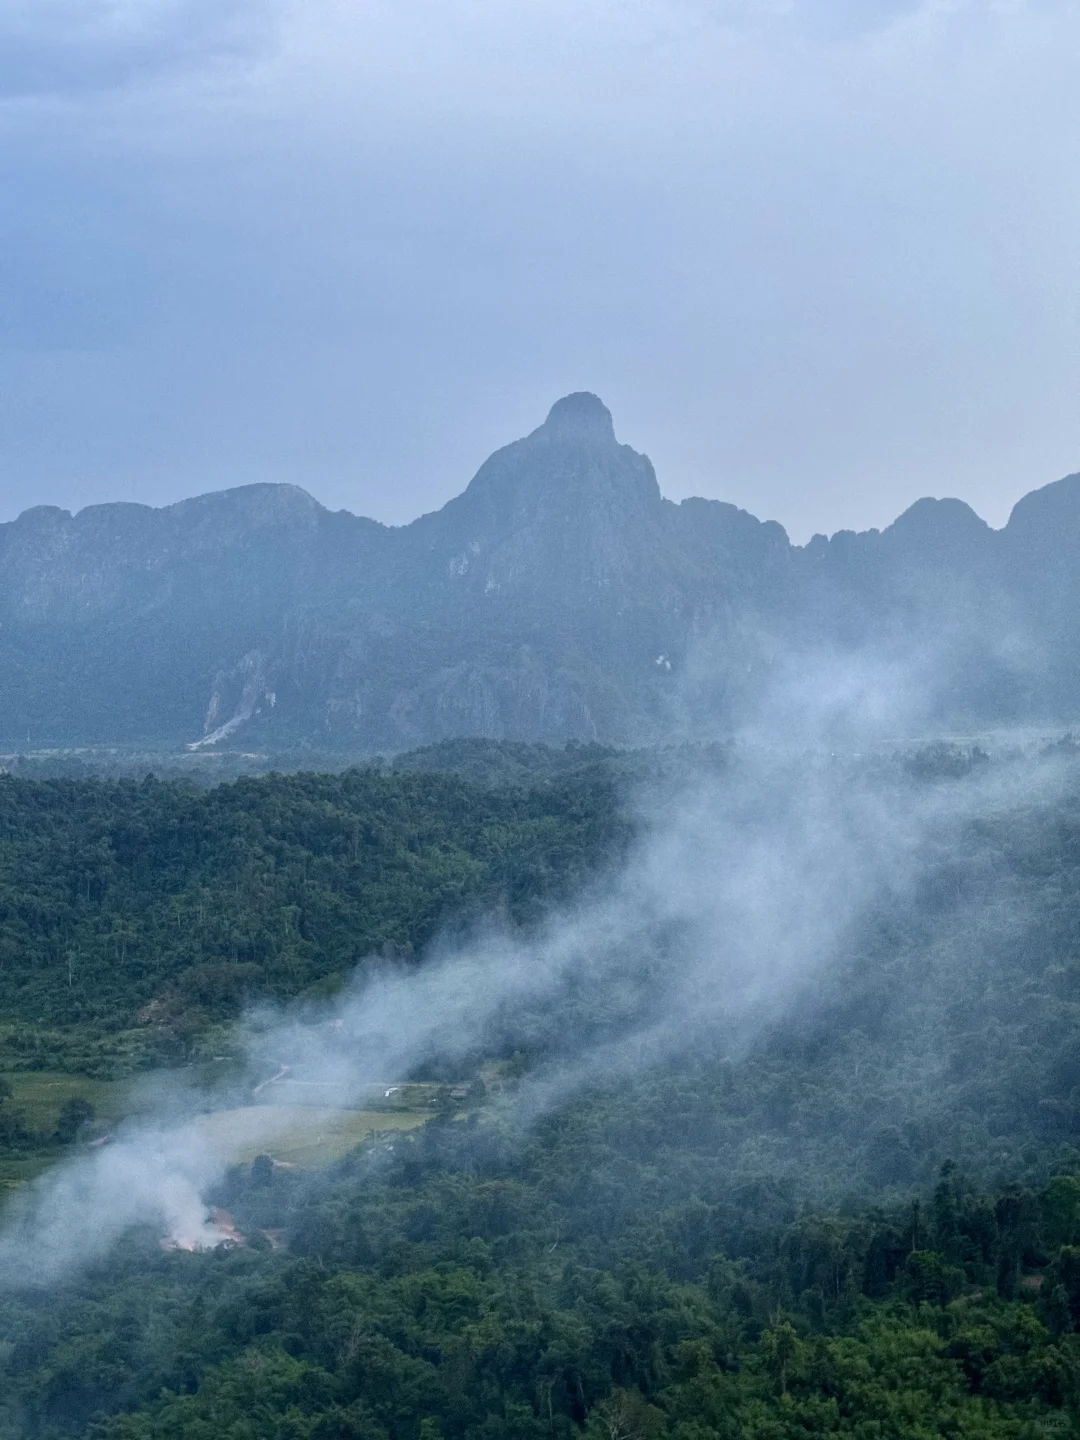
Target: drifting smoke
733, 907
154, 1176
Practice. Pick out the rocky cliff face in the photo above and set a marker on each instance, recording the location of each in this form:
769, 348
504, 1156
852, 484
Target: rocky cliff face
560, 596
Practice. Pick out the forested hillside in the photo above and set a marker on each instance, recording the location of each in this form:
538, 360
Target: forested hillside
559, 596
860, 1217
469, 1283
135, 914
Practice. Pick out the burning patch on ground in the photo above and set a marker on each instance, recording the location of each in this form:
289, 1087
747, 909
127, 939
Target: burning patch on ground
215, 1232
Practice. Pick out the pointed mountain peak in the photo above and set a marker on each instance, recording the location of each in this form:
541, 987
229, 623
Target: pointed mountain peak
580, 416
567, 467
929, 516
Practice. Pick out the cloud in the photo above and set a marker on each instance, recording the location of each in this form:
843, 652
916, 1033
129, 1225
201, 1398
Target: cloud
818, 256
60, 46
737, 907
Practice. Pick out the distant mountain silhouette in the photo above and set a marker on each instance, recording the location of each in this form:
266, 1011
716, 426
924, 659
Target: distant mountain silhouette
560, 596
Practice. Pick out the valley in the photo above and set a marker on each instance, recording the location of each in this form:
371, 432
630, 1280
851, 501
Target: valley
690, 1216
559, 596
521, 919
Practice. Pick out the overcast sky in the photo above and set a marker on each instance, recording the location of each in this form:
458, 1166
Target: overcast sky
820, 257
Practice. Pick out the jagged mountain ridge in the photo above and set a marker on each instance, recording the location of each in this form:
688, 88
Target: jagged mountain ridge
559, 596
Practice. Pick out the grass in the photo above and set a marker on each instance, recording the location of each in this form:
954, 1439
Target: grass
40, 1094
294, 1133
16, 1170
290, 1090
302, 1135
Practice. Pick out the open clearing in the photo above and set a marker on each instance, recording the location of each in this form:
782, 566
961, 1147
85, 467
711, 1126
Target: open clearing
294, 1134
40, 1094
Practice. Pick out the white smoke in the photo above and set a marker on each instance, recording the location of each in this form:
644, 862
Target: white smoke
730, 910
149, 1176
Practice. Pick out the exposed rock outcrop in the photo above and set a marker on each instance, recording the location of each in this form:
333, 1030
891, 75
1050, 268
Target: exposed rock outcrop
559, 596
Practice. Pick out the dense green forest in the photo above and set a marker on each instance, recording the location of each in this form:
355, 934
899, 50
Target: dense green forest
133, 914
466, 1283
861, 1218
486, 762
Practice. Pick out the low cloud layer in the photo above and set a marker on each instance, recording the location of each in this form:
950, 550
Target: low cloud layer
61, 47
735, 910
817, 256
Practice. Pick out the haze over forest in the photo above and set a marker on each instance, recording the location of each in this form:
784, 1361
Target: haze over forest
572, 959
559, 597
819, 257
679, 1041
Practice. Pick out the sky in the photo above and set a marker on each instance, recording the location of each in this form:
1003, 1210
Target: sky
819, 257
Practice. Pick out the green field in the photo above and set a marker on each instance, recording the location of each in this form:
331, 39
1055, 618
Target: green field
39, 1094
301, 1131
303, 1135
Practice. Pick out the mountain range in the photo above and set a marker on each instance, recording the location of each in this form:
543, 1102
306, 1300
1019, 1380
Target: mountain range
560, 596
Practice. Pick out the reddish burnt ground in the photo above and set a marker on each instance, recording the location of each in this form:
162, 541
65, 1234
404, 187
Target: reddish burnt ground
228, 1237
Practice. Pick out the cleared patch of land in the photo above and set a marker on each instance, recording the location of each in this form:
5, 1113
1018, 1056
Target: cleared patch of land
40, 1095
293, 1089
304, 1135
292, 1122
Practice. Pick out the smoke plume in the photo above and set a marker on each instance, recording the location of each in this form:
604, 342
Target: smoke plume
750, 876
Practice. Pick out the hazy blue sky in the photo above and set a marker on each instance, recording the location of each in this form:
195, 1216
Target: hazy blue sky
820, 257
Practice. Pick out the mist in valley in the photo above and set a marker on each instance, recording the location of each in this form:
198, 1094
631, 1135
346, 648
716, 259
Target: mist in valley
566, 937
817, 900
